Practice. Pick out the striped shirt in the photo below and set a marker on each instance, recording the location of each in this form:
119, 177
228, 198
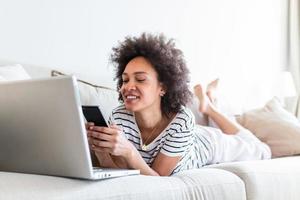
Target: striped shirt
180, 138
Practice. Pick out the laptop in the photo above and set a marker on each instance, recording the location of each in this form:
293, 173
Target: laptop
42, 130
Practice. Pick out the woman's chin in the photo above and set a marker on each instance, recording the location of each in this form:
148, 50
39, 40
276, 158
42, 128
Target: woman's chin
131, 108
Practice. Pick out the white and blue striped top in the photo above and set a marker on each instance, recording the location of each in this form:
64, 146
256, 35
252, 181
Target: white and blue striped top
180, 138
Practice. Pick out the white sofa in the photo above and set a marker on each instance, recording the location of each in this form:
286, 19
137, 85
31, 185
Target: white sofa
253, 180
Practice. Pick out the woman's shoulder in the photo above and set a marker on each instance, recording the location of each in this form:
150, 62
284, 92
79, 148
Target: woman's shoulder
184, 118
120, 108
185, 113
121, 111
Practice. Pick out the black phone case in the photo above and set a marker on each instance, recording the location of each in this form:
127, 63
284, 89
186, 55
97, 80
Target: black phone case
93, 114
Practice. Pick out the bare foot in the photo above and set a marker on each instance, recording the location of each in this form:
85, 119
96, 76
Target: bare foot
211, 90
205, 105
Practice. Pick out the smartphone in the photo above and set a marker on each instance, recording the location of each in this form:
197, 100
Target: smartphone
93, 114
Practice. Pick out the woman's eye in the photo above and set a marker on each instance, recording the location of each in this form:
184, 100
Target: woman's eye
141, 80
124, 81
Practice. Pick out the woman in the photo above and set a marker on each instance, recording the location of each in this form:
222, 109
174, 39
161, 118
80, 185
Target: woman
152, 130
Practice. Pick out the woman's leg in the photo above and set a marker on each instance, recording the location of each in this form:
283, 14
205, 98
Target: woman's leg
207, 107
240, 147
211, 91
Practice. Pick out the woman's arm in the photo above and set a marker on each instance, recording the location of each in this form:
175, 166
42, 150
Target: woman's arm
163, 165
117, 150
110, 161
105, 160
123, 154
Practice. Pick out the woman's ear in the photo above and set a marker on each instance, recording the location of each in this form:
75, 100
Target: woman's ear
163, 90
162, 93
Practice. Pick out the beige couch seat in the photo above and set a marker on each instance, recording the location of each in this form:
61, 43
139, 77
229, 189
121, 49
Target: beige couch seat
197, 184
268, 179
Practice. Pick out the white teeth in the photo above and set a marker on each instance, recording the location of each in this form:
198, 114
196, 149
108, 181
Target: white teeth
131, 97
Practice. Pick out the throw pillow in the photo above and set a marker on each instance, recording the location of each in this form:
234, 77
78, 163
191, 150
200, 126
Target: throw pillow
275, 126
91, 94
13, 72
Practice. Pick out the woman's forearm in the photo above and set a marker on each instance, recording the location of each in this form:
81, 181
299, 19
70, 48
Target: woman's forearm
105, 160
135, 161
110, 161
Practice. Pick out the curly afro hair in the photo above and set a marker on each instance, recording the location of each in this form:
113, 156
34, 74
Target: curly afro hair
167, 61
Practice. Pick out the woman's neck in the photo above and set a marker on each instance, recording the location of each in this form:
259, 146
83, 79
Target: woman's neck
149, 119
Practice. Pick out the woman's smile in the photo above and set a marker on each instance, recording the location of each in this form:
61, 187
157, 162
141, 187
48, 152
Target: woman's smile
130, 98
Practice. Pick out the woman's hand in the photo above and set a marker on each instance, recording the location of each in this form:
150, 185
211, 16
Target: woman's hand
109, 140
115, 151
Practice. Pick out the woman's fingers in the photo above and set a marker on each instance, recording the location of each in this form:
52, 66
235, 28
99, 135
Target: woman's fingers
102, 143
99, 136
89, 124
100, 139
107, 139
114, 126
105, 130
100, 149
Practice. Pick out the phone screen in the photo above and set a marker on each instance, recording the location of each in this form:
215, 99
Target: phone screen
93, 114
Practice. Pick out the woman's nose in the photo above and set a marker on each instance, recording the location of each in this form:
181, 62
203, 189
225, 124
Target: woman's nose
129, 86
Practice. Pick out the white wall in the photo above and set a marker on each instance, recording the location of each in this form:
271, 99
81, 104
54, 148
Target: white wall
240, 41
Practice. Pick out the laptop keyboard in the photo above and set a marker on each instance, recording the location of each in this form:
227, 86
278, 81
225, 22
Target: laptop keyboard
97, 169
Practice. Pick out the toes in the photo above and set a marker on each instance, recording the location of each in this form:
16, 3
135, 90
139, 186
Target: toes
198, 90
213, 84
197, 87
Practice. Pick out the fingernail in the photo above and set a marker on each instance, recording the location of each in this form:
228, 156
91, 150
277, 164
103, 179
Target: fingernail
91, 128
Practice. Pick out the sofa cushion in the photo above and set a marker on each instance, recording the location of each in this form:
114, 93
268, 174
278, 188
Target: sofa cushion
13, 72
200, 184
91, 94
275, 126
213, 185
268, 179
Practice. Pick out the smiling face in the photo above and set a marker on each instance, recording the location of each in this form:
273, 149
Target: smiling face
140, 89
